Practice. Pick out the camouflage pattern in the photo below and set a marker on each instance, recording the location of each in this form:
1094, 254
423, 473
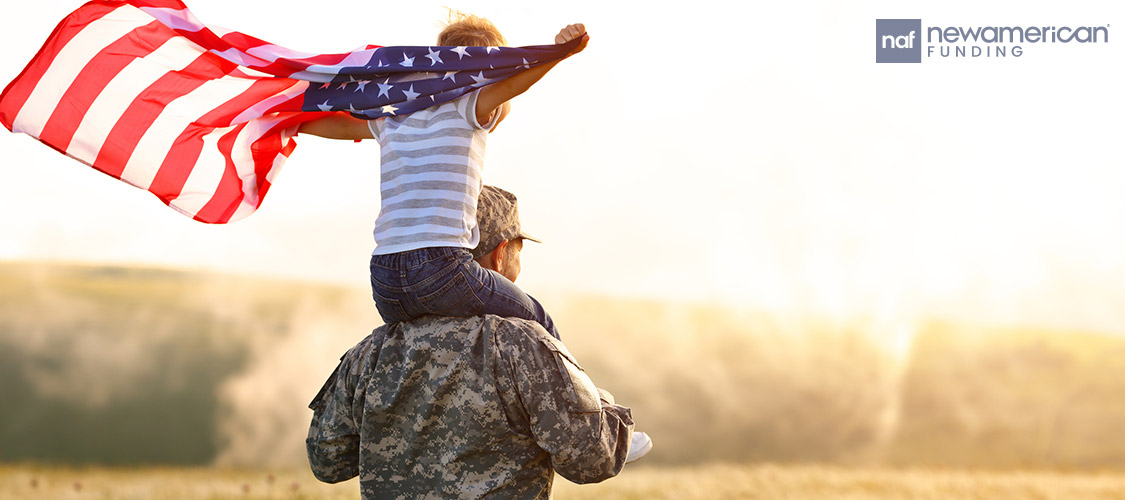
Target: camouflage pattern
498, 219
480, 407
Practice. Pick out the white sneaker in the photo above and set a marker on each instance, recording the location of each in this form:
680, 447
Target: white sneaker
638, 447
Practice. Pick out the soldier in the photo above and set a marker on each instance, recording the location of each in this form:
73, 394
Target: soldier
449, 407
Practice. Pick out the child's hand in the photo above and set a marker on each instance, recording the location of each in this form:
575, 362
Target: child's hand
570, 33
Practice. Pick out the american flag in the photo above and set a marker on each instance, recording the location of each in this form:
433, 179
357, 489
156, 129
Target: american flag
203, 117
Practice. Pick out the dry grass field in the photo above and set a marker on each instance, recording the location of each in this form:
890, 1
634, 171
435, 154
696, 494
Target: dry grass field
181, 385
713, 482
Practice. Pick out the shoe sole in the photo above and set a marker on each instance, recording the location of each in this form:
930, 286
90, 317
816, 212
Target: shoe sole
638, 453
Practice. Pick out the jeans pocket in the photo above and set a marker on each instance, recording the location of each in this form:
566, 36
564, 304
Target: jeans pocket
390, 309
454, 298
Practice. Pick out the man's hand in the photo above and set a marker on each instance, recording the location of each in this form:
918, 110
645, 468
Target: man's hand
570, 33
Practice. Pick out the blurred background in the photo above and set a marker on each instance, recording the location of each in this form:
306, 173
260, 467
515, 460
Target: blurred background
769, 246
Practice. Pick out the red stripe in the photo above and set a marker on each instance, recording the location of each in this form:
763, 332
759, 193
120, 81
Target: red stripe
262, 89
160, 4
93, 78
17, 92
228, 194
282, 66
143, 111
265, 150
264, 164
177, 166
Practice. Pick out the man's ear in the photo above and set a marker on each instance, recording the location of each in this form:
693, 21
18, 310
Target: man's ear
498, 254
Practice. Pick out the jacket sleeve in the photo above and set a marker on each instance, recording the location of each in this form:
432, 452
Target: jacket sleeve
586, 435
333, 440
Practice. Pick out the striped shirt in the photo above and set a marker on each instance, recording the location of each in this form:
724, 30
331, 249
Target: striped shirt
431, 174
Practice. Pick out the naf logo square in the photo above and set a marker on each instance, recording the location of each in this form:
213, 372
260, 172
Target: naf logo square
898, 40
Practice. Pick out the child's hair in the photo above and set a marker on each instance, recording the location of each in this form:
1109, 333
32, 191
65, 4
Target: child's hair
469, 31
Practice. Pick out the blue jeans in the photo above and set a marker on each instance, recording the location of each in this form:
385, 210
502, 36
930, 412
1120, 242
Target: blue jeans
447, 281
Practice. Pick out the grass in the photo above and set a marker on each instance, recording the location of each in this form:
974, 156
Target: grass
711, 482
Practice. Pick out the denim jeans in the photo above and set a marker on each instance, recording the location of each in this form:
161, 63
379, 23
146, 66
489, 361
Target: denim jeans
446, 281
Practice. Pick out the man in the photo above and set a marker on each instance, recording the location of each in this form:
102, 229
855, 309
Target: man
480, 407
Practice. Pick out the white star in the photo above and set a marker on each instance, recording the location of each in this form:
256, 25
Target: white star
450, 75
526, 65
463, 52
325, 106
488, 50
344, 85
383, 89
411, 94
380, 65
362, 86
352, 109
389, 109
326, 85
434, 57
479, 77
407, 62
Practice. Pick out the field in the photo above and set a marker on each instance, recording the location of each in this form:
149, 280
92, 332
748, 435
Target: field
714, 482
159, 384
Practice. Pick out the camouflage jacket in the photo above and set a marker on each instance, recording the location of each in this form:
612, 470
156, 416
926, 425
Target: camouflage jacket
481, 407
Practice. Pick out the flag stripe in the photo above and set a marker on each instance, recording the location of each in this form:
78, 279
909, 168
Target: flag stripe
69, 63
20, 89
198, 187
227, 195
149, 105
161, 141
264, 142
139, 101
205, 117
116, 108
88, 85
287, 99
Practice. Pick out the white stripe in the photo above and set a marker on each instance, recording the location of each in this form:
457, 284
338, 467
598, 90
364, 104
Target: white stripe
244, 166
205, 176
253, 73
203, 182
120, 92
286, 137
244, 160
424, 177
70, 61
240, 58
271, 53
259, 109
159, 138
177, 19
431, 130
433, 139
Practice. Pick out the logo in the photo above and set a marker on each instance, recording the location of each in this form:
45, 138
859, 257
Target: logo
898, 40
903, 40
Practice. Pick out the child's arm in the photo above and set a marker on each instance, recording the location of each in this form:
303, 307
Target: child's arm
496, 94
338, 125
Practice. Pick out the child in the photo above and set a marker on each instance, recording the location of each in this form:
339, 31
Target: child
431, 167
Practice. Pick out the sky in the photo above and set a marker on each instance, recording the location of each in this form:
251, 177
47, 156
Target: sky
745, 153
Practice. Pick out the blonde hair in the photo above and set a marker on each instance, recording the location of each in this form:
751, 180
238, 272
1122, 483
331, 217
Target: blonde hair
467, 30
